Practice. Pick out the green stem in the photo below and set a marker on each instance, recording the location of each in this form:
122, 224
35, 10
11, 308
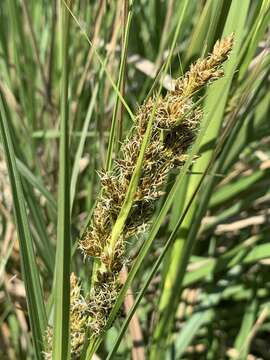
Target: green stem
63, 251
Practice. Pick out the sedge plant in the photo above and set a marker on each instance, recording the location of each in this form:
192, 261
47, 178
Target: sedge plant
134, 145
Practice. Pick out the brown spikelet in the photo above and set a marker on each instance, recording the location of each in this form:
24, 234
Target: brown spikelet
78, 317
205, 70
102, 299
176, 121
78, 322
48, 340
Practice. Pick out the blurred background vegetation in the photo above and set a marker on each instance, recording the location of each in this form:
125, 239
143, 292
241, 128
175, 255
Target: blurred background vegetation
209, 298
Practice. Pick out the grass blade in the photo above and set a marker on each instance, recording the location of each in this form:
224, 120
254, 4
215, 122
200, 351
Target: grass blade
35, 303
79, 152
112, 138
183, 246
63, 249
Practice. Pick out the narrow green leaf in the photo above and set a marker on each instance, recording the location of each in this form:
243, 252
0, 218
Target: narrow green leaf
214, 108
256, 33
240, 186
244, 253
191, 328
241, 344
79, 152
112, 138
203, 35
61, 348
35, 302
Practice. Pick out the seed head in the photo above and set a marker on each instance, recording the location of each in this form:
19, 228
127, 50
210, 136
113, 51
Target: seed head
176, 121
